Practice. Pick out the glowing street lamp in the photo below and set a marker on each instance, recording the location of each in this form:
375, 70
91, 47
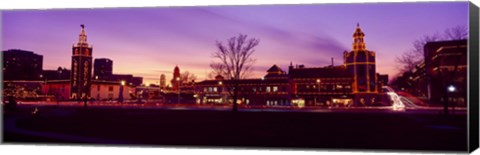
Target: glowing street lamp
120, 95
220, 83
318, 85
178, 89
451, 88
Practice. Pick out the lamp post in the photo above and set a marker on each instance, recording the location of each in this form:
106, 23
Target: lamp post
178, 89
451, 89
318, 85
261, 86
220, 83
120, 93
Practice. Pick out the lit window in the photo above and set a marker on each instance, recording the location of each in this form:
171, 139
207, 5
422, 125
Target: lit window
275, 89
214, 89
268, 89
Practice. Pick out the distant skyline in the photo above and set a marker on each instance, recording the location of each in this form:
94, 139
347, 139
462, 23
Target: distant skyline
150, 41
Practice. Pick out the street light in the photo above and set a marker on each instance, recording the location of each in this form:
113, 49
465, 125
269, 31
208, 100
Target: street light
178, 89
220, 83
451, 88
120, 95
318, 85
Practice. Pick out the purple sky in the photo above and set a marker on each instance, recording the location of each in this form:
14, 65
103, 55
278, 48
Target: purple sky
150, 41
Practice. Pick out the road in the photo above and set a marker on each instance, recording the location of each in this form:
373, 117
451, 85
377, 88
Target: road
367, 127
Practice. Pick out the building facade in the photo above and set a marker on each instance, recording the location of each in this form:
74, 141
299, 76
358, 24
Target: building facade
102, 68
272, 90
446, 66
22, 65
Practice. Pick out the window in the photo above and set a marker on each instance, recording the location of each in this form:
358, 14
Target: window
214, 89
268, 89
275, 89
110, 88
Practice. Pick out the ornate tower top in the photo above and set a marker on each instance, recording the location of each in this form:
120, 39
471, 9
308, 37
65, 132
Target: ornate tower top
82, 40
358, 42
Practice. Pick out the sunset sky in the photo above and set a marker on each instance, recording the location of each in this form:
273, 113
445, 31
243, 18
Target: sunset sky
150, 41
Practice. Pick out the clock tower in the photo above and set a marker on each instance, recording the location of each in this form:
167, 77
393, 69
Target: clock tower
80, 78
360, 62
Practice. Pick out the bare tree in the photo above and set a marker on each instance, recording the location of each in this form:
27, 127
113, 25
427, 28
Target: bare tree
456, 33
408, 60
217, 69
415, 56
187, 78
235, 61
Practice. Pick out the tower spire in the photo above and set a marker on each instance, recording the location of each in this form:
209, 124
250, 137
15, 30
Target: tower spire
82, 40
358, 42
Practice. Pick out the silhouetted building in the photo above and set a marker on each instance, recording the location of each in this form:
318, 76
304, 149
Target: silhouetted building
21, 65
81, 77
446, 66
102, 68
59, 74
136, 81
176, 79
383, 79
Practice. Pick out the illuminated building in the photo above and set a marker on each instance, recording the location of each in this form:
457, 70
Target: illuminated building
354, 83
360, 62
80, 84
446, 65
271, 90
102, 68
321, 86
81, 68
163, 81
21, 65
22, 74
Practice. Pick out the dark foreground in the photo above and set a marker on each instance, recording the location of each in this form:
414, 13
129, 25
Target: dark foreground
156, 127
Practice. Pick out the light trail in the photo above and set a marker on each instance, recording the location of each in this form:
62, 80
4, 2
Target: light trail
397, 105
